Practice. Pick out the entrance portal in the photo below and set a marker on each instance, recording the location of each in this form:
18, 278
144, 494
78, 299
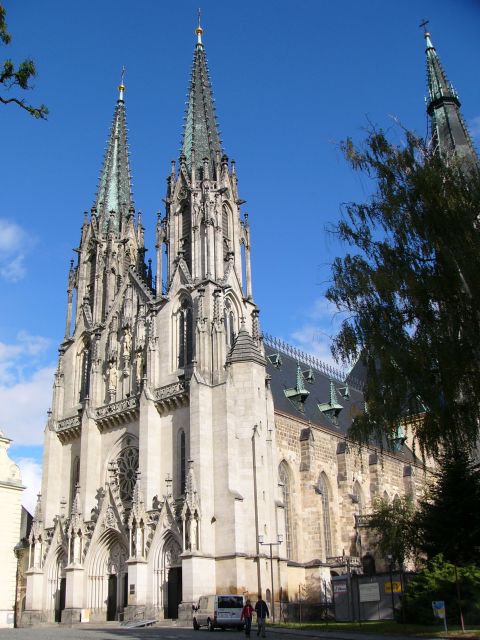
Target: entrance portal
112, 598
60, 600
174, 591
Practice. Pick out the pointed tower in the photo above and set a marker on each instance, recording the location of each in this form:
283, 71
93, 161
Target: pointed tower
448, 129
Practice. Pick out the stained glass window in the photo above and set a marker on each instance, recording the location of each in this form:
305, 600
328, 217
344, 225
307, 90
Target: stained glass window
127, 463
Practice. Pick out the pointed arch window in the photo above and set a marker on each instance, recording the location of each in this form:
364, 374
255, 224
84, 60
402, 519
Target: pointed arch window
230, 323
327, 529
182, 461
127, 465
226, 230
185, 335
186, 241
284, 480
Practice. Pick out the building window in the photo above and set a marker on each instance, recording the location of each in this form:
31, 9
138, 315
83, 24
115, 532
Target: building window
127, 464
182, 458
185, 335
327, 530
226, 231
285, 484
186, 236
230, 325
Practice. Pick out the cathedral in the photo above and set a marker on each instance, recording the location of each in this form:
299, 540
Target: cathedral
187, 452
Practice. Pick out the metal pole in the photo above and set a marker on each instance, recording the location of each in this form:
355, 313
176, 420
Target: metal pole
254, 464
271, 575
391, 590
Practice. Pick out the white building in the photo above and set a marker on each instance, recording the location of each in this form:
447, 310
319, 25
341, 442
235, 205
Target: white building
11, 509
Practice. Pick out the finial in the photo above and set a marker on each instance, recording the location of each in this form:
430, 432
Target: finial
121, 86
199, 29
423, 25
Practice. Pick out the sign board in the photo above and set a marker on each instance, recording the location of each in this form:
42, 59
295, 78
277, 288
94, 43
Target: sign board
438, 607
85, 615
369, 592
339, 587
393, 587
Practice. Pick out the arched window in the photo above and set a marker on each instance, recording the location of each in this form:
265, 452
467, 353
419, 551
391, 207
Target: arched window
83, 372
182, 459
327, 530
230, 324
185, 335
127, 465
186, 239
75, 479
285, 484
226, 229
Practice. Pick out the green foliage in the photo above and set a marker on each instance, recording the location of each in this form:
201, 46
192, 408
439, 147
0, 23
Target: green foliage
11, 77
391, 523
448, 519
438, 582
411, 292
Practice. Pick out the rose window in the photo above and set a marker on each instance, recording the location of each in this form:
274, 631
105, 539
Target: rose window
127, 464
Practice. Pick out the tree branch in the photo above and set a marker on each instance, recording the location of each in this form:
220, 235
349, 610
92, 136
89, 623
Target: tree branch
37, 112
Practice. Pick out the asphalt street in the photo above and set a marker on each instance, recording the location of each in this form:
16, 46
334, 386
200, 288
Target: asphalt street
116, 632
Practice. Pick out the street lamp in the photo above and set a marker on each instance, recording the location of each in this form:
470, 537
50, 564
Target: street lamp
271, 545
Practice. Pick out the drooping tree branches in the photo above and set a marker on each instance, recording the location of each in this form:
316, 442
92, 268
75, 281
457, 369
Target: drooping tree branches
411, 288
20, 77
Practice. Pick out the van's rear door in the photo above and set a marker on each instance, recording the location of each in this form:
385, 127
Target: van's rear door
229, 609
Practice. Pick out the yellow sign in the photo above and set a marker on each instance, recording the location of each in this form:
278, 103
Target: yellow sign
393, 587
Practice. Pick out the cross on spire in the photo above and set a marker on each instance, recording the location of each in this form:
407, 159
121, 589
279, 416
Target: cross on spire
423, 25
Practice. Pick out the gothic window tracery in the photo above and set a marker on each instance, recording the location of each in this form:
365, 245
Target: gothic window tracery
226, 229
185, 335
327, 530
127, 466
186, 243
230, 323
285, 484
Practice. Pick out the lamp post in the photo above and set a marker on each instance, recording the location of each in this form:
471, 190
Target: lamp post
271, 545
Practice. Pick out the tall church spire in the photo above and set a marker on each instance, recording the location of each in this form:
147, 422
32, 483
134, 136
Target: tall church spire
449, 131
114, 191
201, 138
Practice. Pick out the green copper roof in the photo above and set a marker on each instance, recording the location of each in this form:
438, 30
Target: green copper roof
201, 133
114, 191
449, 131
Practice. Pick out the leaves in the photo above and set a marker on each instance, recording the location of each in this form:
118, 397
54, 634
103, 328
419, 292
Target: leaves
11, 78
391, 524
410, 285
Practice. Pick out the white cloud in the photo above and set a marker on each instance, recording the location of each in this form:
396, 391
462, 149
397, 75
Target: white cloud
31, 472
14, 245
475, 127
316, 333
23, 355
24, 407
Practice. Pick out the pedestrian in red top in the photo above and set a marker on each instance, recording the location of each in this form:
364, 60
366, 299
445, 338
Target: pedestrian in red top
247, 613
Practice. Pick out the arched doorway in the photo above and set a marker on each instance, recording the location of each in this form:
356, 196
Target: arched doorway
56, 585
168, 577
108, 577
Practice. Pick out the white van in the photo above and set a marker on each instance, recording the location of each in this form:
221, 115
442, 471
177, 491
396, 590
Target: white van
218, 612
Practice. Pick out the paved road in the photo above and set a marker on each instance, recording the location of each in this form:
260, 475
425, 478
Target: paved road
116, 632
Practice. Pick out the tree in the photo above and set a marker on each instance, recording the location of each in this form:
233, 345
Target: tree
411, 292
391, 524
438, 581
20, 77
448, 519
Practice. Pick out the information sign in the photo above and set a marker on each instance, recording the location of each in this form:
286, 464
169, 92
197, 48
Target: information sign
369, 592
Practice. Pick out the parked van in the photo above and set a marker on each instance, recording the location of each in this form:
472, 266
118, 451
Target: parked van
218, 612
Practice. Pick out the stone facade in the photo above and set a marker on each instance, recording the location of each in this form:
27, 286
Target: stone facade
10, 505
180, 442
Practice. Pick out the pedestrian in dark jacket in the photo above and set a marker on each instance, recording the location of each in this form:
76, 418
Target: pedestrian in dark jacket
262, 612
247, 613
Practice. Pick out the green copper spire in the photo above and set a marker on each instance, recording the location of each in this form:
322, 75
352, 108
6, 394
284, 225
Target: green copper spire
114, 191
201, 138
449, 131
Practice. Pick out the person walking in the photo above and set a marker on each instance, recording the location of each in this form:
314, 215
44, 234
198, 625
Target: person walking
247, 613
262, 612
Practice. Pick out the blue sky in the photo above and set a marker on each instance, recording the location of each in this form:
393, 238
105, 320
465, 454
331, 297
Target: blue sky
291, 80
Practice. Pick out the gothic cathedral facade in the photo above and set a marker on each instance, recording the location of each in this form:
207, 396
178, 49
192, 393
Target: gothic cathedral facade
181, 438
